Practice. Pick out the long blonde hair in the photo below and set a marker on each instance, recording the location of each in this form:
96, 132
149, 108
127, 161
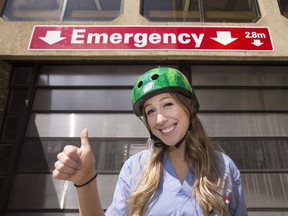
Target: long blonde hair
201, 158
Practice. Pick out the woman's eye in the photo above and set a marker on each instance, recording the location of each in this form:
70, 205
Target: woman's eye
149, 112
168, 104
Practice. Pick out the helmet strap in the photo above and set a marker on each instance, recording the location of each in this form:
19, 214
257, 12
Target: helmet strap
157, 141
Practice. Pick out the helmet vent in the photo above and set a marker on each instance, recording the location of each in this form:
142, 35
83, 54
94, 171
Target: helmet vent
140, 84
155, 76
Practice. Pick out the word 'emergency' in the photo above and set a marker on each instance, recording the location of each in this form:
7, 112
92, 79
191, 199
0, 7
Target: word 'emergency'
139, 40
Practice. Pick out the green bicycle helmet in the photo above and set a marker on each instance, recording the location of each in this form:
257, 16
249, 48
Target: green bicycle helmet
160, 80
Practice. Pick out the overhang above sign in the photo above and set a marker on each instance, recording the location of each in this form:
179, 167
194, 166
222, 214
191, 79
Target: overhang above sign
67, 37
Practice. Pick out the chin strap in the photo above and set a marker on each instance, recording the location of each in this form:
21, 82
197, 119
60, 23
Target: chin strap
160, 143
157, 141
180, 142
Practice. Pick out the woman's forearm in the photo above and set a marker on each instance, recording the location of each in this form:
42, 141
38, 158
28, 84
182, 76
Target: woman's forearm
89, 201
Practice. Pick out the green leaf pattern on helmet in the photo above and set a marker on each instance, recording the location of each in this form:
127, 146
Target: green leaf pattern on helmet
158, 80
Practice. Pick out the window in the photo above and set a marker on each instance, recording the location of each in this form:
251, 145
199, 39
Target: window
62, 10
242, 108
283, 5
201, 10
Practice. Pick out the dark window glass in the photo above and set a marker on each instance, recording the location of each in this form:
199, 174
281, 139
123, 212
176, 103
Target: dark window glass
234, 124
62, 10
239, 75
201, 10
21, 76
17, 101
170, 10
37, 191
265, 190
2, 180
85, 99
33, 10
10, 129
230, 11
44, 194
5, 155
36, 157
283, 5
242, 99
91, 10
257, 154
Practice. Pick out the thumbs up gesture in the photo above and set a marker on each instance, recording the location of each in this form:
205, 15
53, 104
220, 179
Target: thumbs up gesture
76, 164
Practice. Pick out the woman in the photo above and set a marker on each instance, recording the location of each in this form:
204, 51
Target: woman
181, 174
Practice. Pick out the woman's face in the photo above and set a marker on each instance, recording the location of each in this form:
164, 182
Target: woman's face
166, 118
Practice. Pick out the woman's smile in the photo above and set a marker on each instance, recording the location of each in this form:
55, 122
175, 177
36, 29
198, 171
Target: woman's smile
168, 129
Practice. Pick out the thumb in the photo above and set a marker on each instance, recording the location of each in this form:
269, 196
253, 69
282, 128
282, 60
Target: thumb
85, 139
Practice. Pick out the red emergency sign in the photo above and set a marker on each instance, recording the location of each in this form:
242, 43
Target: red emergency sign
68, 37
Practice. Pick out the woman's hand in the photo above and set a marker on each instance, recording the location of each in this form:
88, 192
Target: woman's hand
76, 164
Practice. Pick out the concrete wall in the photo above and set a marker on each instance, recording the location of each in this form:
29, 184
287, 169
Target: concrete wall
5, 70
15, 36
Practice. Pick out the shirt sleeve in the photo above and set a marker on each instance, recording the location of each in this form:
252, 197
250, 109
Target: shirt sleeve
127, 180
119, 203
237, 202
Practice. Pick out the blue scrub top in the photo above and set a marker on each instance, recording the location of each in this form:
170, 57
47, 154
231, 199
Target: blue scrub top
172, 197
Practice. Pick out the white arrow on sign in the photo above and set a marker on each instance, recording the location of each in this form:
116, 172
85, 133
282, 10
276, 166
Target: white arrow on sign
224, 37
52, 37
257, 43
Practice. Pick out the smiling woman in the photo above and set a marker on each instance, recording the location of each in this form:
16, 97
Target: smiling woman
242, 109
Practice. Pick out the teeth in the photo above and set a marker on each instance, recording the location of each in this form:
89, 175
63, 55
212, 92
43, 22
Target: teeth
168, 129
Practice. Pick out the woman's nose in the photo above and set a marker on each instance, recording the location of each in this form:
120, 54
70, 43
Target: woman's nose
160, 118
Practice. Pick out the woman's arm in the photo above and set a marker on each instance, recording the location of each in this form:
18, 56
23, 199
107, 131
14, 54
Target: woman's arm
89, 201
78, 166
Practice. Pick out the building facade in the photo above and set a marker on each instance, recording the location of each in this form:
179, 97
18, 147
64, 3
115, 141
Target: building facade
50, 90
